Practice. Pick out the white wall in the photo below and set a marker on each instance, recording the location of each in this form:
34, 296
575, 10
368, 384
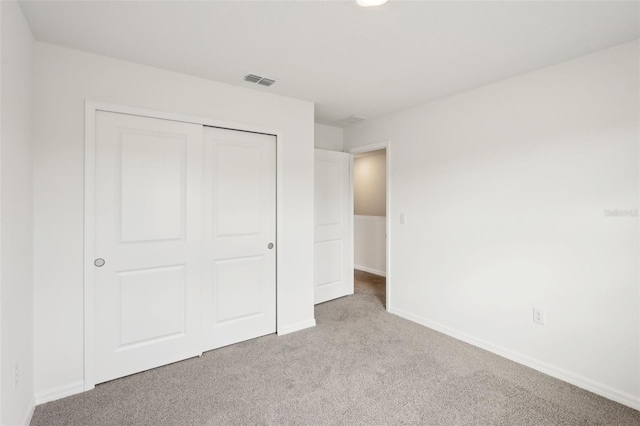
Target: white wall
369, 245
505, 189
370, 184
64, 79
16, 213
328, 137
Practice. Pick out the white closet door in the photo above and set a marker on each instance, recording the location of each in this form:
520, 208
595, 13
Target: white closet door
333, 236
148, 231
239, 294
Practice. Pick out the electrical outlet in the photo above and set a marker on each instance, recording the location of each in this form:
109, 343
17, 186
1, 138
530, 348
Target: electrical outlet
16, 376
538, 315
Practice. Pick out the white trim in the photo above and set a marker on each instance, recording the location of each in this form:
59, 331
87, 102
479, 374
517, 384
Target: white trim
352, 228
374, 147
372, 218
32, 207
369, 270
60, 392
164, 115
369, 147
551, 370
296, 327
638, 259
29, 414
91, 108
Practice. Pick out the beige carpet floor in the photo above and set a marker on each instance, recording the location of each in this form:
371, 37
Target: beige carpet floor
359, 365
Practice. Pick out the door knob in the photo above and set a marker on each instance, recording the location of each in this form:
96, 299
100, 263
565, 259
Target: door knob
270, 246
99, 262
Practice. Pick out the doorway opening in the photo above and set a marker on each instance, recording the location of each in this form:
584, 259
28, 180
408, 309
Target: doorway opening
370, 220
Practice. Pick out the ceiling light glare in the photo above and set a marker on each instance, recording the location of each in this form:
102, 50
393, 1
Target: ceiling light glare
370, 3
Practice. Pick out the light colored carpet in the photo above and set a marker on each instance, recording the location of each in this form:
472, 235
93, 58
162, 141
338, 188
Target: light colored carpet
360, 365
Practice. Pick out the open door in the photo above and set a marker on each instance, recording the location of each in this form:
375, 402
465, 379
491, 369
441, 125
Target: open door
333, 248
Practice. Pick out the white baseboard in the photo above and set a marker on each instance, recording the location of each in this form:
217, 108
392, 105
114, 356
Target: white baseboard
59, 392
29, 414
582, 382
296, 327
370, 270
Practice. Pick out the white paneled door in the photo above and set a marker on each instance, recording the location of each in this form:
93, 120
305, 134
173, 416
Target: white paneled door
148, 234
239, 294
333, 232
182, 228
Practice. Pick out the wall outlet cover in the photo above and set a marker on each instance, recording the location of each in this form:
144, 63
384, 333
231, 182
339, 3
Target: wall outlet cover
538, 315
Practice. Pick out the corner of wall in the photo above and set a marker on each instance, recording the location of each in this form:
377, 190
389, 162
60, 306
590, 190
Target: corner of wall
455, 187
328, 137
16, 216
29, 413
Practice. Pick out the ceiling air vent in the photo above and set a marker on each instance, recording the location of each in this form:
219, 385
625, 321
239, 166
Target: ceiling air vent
266, 82
263, 81
353, 119
252, 78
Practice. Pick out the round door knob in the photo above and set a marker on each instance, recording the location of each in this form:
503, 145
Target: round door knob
270, 246
99, 262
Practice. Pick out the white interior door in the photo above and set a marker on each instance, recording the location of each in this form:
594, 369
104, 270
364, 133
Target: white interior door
148, 231
239, 294
333, 235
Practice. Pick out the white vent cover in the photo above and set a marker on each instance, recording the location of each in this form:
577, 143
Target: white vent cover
266, 82
353, 119
252, 78
263, 81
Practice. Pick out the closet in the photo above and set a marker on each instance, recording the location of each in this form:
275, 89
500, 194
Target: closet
184, 240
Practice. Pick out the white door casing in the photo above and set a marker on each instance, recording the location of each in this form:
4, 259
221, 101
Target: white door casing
239, 287
333, 249
147, 230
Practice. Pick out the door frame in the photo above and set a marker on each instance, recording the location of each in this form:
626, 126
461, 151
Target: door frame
386, 145
90, 110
